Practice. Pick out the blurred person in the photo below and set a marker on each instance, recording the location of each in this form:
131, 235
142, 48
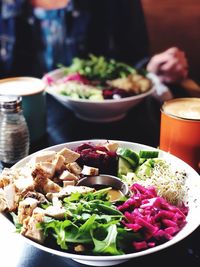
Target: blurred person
49, 32
40, 39
9, 10
54, 32
170, 66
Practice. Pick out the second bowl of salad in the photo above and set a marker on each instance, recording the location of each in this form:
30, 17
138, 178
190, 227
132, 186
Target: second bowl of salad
98, 89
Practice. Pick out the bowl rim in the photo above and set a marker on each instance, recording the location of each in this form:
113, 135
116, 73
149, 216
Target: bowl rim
176, 239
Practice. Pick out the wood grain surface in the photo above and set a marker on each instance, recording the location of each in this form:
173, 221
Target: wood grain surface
175, 23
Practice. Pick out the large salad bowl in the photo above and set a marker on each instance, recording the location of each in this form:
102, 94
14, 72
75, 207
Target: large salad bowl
94, 109
192, 202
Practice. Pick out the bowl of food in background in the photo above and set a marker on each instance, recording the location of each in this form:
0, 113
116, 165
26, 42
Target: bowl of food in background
40, 195
98, 89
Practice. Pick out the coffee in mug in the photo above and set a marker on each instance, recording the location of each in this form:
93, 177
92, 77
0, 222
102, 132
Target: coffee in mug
32, 91
180, 129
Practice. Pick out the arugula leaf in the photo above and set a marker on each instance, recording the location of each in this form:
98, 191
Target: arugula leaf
109, 210
107, 245
86, 227
73, 197
16, 223
65, 232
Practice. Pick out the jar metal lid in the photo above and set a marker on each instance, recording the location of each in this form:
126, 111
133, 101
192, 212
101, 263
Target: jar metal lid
10, 103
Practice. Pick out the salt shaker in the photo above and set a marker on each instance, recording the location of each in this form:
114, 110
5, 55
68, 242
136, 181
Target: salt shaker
14, 134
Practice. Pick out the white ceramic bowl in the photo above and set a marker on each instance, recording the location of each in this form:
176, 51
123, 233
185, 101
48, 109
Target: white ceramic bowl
193, 218
96, 111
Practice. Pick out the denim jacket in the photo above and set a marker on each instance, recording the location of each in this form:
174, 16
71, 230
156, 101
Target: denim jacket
42, 39
9, 10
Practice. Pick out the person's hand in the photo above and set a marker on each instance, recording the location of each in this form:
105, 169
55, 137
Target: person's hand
171, 66
49, 4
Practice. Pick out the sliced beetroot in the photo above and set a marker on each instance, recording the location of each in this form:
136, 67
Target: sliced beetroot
140, 245
115, 93
99, 157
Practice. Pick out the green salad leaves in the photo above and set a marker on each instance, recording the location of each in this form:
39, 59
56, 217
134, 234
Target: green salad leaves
99, 68
92, 223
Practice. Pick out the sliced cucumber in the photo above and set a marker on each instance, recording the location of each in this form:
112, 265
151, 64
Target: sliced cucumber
147, 154
123, 167
129, 155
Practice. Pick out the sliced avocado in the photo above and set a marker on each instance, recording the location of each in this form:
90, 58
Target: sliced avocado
145, 168
123, 167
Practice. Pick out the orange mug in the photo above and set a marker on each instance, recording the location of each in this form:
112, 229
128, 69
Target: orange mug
180, 129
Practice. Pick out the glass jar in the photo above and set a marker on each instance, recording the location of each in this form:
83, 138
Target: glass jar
14, 134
